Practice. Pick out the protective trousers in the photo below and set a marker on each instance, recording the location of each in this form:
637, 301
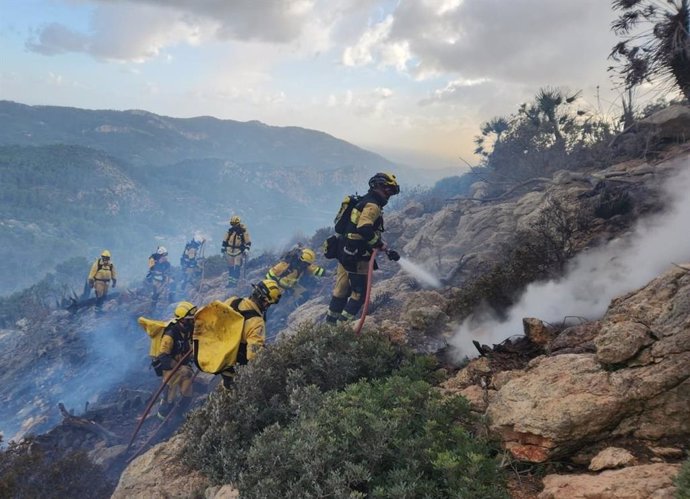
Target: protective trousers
348, 293
100, 288
235, 263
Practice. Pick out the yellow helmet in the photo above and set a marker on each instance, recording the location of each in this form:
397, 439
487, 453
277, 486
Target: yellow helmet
387, 181
183, 309
105, 254
308, 256
268, 290
235, 220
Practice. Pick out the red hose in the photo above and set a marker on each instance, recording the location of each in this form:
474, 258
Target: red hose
155, 397
370, 274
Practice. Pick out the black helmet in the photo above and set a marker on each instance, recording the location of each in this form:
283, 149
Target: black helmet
387, 181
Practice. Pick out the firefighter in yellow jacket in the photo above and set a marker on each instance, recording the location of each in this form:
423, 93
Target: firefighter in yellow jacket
235, 246
253, 309
362, 235
102, 273
290, 269
175, 343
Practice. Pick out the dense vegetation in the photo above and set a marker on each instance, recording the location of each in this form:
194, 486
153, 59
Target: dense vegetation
27, 470
683, 482
328, 411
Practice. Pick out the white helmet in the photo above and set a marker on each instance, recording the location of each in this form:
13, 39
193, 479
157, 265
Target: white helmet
198, 239
161, 250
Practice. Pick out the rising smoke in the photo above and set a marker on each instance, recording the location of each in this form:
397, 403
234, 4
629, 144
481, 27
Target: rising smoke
73, 366
595, 277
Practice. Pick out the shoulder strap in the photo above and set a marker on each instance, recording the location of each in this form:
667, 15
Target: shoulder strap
247, 314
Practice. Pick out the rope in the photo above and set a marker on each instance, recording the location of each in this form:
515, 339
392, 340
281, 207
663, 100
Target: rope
370, 274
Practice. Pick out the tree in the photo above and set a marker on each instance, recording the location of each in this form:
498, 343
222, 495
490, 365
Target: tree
656, 44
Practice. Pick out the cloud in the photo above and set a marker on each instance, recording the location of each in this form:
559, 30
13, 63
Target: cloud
528, 41
127, 30
120, 33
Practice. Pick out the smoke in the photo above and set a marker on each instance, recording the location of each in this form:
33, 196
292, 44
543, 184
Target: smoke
74, 367
421, 275
595, 277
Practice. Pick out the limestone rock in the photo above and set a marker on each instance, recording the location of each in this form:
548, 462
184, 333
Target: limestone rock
159, 474
636, 482
558, 401
477, 398
413, 209
562, 402
621, 341
670, 123
610, 458
537, 331
576, 339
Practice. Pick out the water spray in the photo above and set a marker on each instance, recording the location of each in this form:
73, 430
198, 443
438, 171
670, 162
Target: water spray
420, 274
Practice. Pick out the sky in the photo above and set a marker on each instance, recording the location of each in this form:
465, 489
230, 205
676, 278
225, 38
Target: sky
410, 79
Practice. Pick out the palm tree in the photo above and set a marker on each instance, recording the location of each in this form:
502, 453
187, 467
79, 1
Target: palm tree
547, 110
497, 127
656, 42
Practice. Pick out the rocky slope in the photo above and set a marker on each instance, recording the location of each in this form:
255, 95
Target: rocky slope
599, 404
603, 403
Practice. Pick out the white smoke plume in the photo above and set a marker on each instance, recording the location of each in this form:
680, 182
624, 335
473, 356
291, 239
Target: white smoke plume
597, 276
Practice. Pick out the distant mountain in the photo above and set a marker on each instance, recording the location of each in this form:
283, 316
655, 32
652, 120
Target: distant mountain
143, 138
77, 181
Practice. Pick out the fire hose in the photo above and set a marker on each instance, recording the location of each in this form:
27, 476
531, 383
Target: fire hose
156, 395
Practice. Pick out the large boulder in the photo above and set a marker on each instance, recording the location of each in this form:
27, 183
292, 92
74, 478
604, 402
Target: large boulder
159, 474
637, 384
670, 123
651, 481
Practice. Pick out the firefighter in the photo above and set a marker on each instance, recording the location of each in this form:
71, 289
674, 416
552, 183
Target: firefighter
253, 309
362, 235
191, 262
159, 278
290, 269
235, 246
102, 273
175, 343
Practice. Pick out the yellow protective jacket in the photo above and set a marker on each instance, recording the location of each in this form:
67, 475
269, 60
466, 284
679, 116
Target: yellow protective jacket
237, 240
254, 328
287, 275
366, 224
101, 271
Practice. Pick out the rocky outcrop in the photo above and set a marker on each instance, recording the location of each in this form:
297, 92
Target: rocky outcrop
651, 481
159, 474
636, 384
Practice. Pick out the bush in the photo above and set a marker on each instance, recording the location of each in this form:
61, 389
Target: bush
27, 471
321, 358
536, 253
683, 481
387, 438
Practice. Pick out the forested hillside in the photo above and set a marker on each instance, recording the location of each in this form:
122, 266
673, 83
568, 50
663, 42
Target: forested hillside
77, 181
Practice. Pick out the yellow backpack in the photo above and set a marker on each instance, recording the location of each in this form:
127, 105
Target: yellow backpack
217, 335
155, 331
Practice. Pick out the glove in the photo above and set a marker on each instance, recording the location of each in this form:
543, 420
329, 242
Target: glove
248, 244
393, 255
114, 282
223, 250
91, 283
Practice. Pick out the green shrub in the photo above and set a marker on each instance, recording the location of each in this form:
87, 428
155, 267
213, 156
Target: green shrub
322, 358
27, 471
683, 481
395, 437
